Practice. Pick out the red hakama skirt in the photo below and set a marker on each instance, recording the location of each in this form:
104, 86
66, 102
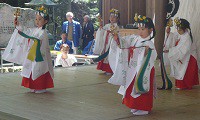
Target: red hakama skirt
191, 77
144, 101
104, 67
43, 82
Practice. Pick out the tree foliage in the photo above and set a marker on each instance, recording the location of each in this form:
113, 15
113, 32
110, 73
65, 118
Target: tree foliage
78, 7
15, 3
86, 7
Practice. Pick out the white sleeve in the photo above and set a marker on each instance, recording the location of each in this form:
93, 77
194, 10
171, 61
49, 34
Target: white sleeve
127, 41
99, 41
173, 38
178, 52
16, 49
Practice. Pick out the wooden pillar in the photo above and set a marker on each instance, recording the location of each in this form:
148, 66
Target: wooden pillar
105, 11
160, 11
136, 6
127, 9
122, 6
150, 8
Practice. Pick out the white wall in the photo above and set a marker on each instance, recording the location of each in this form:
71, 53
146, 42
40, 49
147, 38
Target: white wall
190, 10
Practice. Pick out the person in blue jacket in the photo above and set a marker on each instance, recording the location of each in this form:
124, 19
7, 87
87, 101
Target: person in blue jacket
63, 41
88, 50
73, 30
90, 46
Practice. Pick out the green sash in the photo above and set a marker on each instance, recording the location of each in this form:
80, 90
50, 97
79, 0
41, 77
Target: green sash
140, 79
34, 53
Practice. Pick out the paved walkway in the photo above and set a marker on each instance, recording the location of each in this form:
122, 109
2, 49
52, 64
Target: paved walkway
82, 93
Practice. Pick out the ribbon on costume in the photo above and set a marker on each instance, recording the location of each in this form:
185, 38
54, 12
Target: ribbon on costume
139, 81
34, 53
167, 84
101, 56
105, 52
171, 8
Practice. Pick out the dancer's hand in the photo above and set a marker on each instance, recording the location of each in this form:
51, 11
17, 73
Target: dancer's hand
16, 23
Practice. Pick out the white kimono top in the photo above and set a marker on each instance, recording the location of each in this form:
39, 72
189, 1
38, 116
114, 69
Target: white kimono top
65, 62
179, 56
169, 42
18, 48
101, 46
125, 72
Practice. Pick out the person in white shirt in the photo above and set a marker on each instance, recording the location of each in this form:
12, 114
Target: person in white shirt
64, 59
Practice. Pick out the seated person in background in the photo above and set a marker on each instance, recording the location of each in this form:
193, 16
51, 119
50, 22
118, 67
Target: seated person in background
64, 59
63, 41
88, 50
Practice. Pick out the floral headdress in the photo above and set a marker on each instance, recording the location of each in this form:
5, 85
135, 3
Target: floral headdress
177, 21
141, 20
41, 11
115, 12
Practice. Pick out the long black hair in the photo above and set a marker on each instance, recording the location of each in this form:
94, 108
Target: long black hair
185, 25
45, 18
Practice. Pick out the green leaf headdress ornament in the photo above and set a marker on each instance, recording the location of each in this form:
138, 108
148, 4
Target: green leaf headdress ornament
177, 22
41, 11
141, 20
115, 12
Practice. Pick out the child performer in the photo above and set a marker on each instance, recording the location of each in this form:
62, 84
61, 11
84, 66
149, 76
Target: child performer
103, 40
136, 72
169, 41
183, 57
31, 49
65, 59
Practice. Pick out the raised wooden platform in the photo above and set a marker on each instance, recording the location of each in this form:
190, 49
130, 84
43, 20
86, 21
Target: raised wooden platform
82, 93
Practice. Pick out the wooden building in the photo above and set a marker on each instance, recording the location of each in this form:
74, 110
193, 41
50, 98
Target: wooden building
128, 8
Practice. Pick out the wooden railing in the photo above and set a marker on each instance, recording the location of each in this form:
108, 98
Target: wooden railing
125, 32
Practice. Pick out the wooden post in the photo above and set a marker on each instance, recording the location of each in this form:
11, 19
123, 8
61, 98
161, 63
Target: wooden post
129, 14
127, 9
160, 12
150, 8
